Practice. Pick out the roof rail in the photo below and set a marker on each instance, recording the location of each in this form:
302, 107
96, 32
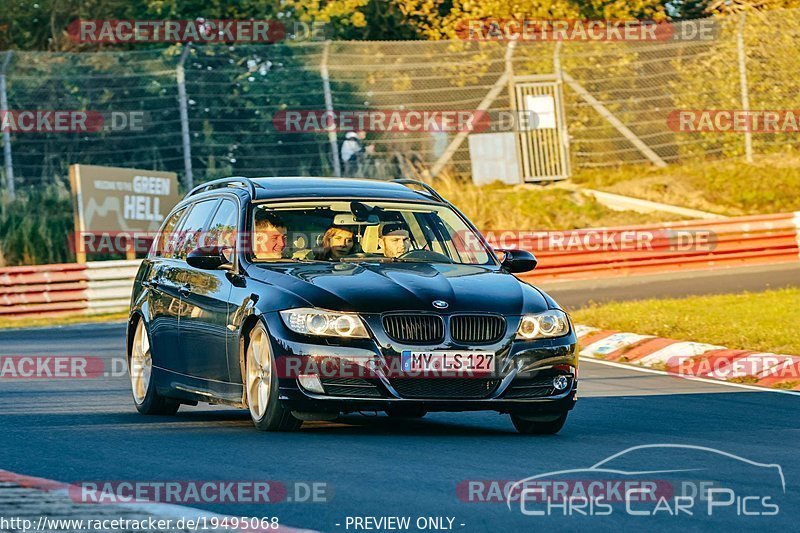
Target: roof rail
431, 190
238, 181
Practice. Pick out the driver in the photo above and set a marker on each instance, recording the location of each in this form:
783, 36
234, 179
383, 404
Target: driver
270, 238
395, 239
336, 243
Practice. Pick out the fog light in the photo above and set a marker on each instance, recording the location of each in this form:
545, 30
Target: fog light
311, 383
560, 382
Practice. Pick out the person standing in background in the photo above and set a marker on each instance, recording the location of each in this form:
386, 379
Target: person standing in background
354, 153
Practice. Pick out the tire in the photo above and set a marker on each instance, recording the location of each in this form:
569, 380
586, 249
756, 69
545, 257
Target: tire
261, 385
140, 368
538, 425
406, 412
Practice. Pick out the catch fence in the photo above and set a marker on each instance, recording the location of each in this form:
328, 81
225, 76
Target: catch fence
208, 111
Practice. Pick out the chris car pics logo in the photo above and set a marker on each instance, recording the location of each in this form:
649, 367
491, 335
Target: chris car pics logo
652, 480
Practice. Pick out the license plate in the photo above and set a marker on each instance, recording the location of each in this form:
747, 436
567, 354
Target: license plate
449, 361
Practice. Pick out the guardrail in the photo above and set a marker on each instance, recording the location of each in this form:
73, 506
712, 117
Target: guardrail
43, 290
47, 290
110, 285
739, 241
105, 286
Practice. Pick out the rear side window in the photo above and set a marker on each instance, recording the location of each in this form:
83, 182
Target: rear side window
193, 226
222, 229
166, 236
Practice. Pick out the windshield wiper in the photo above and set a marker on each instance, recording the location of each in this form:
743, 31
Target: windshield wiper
381, 259
288, 260
431, 261
362, 259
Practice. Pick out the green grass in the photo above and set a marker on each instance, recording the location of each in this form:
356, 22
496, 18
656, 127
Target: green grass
6, 323
530, 207
765, 321
35, 228
729, 187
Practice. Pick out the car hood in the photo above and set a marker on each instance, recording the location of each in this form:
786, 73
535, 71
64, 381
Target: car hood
381, 287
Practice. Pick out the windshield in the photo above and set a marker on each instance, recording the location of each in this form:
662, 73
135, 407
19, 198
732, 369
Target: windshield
354, 230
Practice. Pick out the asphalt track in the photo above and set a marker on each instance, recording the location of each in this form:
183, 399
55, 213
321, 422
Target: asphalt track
87, 430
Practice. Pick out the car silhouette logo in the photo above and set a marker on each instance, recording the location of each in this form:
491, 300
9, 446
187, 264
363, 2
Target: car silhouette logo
608, 466
440, 304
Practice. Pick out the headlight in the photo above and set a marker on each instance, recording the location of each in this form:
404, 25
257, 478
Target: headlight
553, 323
327, 323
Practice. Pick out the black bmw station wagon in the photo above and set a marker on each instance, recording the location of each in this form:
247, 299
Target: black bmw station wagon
305, 298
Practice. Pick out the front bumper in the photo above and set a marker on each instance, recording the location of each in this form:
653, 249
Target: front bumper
299, 400
522, 383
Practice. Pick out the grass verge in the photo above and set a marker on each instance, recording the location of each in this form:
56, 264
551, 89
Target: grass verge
730, 187
503, 207
765, 321
7, 323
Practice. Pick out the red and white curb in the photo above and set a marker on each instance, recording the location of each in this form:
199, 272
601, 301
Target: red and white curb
151, 509
691, 359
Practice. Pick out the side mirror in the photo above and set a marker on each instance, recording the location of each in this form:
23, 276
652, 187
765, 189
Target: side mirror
211, 258
518, 261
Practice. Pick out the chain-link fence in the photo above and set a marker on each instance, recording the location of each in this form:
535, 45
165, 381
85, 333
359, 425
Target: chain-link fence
232, 94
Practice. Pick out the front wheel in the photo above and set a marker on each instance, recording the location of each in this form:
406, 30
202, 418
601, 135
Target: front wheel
539, 425
140, 367
261, 385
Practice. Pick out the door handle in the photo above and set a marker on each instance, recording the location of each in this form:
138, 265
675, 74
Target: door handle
185, 289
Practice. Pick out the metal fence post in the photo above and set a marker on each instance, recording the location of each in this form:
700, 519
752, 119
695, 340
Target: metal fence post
748, 135
186, 141
512, 105
326, 87
9, 166
561, 90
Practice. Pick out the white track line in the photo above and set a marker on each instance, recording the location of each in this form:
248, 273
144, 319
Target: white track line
691, 378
